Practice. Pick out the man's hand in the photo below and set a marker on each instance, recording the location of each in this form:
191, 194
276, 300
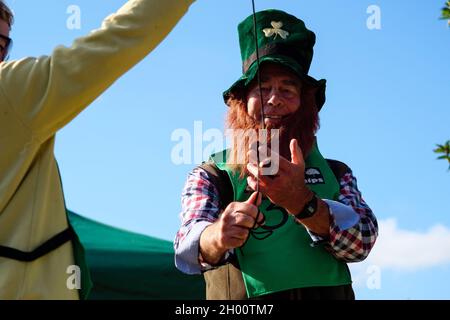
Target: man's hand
287, 188
231, 229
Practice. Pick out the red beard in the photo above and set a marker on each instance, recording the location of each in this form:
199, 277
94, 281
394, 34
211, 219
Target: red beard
301, 125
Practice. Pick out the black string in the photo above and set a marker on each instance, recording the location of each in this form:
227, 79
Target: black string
262, 127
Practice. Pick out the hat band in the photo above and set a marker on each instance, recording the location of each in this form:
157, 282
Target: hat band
271, 48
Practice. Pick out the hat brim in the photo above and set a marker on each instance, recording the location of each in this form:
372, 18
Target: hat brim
290, 63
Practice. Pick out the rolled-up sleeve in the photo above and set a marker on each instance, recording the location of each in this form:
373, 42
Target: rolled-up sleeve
353, 226
199, 209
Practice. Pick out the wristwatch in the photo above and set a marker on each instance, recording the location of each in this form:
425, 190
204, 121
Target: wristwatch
309, 209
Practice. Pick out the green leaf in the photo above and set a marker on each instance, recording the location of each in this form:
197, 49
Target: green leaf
445, 12
439, 149
444, 148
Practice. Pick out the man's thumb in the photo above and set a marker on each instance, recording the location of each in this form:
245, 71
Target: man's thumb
296, 152
255, 199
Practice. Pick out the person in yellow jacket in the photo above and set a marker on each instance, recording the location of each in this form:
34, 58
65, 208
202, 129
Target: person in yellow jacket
39, 96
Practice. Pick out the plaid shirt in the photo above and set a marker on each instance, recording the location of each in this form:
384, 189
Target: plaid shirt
200, 204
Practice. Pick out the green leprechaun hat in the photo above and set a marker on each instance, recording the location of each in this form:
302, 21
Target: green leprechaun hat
283, 39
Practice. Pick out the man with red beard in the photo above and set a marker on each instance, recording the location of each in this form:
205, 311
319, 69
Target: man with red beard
288, 234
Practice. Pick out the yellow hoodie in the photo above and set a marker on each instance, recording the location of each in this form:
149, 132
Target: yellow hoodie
38, 96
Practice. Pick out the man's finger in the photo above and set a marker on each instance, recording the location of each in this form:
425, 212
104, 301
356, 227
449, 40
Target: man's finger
274, 157
252, 156
252, 169
244, 220
264, 185
251, 182
239, 233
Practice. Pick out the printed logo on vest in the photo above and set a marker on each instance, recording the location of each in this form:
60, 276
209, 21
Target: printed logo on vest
314, 176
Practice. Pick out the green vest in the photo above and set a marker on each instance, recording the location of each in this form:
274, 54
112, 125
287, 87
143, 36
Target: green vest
279, 255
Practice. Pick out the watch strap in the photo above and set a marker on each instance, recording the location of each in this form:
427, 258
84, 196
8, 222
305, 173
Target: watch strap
309, 209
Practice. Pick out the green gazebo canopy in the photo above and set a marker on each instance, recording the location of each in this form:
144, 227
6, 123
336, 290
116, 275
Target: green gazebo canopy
127, 265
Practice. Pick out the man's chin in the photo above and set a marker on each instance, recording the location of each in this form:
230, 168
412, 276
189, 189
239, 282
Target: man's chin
273, 123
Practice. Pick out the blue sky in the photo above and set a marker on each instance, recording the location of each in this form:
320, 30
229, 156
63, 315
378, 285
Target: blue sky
387, 106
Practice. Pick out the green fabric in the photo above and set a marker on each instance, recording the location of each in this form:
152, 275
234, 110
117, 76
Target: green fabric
80, 260
294, 41
126, 265
297, 35
274, 264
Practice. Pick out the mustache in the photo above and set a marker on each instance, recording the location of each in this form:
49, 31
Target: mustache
287, 121
288, 128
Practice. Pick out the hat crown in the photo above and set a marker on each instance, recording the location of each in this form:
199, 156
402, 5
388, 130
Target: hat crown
278, 33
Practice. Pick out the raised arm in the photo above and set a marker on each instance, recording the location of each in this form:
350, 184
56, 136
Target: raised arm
49, 91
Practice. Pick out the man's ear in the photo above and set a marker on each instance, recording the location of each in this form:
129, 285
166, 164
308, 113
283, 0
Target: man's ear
310, 94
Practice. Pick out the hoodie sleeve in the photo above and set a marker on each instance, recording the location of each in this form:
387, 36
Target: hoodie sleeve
47, 92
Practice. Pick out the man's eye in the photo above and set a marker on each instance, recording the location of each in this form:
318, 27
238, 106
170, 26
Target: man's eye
288, 91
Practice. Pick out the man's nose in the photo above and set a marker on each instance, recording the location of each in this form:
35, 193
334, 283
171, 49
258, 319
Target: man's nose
274, 98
